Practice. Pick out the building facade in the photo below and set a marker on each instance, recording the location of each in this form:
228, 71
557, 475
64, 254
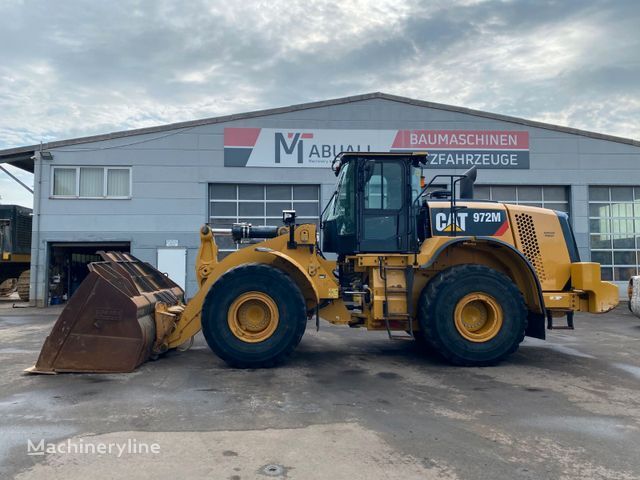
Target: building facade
148, 191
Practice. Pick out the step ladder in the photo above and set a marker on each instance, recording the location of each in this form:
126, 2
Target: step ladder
408, 317
568, 326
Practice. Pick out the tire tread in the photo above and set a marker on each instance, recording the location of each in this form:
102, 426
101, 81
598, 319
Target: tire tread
279, 277
451, 276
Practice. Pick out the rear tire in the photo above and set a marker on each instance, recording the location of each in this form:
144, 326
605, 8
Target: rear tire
23, 285
472, 315
257, 342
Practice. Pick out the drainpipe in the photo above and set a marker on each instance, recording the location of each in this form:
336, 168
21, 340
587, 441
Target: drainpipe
36, 231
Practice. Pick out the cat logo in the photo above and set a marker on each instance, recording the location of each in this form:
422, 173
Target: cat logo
445, 223
469, 221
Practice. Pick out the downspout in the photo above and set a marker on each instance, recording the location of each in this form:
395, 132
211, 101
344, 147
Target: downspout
36, 231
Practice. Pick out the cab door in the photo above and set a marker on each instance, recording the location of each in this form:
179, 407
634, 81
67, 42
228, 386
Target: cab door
383, 206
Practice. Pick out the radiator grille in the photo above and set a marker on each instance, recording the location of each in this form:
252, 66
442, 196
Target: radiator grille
529, 242
23, 236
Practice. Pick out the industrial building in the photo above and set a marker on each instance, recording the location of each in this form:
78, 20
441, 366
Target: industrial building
148, 191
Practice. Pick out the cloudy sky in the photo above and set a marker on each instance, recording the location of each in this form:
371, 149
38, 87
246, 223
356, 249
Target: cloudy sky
74, 68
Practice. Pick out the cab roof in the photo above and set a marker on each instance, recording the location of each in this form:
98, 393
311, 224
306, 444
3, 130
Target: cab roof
416, 158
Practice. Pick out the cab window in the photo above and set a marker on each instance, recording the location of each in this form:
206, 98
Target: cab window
383, 186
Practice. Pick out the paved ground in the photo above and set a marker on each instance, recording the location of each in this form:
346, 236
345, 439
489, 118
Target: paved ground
350, 404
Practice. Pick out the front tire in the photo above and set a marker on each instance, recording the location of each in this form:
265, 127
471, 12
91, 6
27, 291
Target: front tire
254, 316
473, 315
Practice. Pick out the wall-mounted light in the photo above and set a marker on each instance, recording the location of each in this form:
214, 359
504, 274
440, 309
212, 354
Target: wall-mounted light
46, 155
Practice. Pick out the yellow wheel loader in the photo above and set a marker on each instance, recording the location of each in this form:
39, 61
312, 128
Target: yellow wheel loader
15, 250
467, 278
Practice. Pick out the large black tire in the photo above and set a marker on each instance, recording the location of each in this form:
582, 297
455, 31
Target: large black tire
437, 307
291, 312
23, 285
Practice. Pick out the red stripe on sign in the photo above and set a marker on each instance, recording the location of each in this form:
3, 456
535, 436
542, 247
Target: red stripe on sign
502, 229
462, 139
307, 135
241, 137
399, 140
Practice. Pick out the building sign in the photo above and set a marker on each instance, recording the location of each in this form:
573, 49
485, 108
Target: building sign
316, 148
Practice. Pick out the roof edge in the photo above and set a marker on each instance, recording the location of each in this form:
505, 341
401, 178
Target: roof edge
7, 153
510, 119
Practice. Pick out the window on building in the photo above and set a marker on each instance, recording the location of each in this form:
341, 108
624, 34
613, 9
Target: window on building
64, 181
91, 182
118, 182
614, 227
259, 204
552, 197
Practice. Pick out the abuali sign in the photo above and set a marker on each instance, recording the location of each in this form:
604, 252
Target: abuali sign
315, 148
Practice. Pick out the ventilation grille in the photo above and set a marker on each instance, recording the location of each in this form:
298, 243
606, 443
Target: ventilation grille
529, 242
23, 236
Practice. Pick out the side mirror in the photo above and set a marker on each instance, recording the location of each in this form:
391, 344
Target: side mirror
466, 184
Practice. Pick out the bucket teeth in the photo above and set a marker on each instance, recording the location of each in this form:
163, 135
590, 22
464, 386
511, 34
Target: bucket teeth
117, 319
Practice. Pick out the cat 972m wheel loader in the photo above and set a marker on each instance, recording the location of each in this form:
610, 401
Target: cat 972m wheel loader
469, 278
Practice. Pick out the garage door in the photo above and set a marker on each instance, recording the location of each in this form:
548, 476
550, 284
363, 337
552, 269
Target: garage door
553, 197
260, 204
614, 228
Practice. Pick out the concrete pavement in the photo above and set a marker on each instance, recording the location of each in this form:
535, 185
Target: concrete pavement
350, 404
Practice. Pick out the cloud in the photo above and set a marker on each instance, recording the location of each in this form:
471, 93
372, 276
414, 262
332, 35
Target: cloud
79, 67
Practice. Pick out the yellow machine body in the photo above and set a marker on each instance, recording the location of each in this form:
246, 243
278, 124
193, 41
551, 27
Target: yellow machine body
514, 252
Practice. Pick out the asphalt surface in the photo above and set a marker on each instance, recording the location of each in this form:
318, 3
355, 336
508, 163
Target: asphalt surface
350, 404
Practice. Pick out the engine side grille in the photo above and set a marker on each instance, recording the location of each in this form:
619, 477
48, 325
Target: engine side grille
529, 242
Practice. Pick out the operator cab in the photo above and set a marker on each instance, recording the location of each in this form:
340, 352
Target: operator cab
370, 210
376, 205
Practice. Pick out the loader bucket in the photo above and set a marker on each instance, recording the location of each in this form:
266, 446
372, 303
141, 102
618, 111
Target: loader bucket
109, 324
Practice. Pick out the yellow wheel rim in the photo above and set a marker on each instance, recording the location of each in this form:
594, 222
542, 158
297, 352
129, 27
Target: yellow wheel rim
253, 317
478, 317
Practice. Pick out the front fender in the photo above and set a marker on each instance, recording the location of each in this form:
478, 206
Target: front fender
299, 274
